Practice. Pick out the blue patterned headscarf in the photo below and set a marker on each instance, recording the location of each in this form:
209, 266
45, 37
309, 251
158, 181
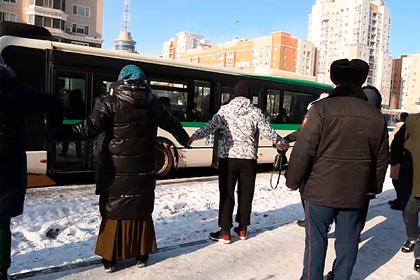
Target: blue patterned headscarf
131, 72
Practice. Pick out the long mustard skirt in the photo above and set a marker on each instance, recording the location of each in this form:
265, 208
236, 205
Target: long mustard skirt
125, 239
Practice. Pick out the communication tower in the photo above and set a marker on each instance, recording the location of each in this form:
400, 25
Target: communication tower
125, 42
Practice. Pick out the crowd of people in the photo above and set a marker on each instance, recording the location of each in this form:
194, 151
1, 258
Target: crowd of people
343, 135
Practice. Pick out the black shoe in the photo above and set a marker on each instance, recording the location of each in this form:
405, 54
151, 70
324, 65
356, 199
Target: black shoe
396, 207
241, 232
110, 266
221, 236
408, 246
301, 223
330, 275
142, 261
417, 265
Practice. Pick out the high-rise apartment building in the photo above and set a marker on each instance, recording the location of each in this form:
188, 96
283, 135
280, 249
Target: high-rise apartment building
275, 54
410, 83
353, 29
70, 21
394, 100
182, 42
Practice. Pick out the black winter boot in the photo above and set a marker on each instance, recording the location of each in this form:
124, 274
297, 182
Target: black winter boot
109, 266
330, 275
142, 260
417, 265
409, 245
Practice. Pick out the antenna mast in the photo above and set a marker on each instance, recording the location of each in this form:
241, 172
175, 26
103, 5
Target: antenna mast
125, 42
126, 16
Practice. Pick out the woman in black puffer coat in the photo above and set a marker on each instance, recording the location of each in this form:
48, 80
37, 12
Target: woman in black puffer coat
126, 169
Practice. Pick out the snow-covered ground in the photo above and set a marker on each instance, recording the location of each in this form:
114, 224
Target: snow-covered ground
186, 212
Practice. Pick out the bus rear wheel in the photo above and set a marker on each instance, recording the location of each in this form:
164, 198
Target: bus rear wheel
165, 160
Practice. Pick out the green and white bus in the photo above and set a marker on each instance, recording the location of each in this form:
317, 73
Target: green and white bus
80, 75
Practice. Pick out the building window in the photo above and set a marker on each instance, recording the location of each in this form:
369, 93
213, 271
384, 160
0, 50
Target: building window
58, 23
10, 1
4, 16
81, 11
49, 22
81, 29
54, 4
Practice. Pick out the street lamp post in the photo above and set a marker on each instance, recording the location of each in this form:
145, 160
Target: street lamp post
223, 43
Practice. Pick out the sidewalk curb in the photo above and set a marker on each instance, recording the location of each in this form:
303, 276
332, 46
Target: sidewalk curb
97, 261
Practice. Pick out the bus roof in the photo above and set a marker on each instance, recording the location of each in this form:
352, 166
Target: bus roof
294, 81
287, 77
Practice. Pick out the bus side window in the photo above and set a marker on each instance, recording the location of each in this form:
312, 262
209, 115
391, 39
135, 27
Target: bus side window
102, 86
255, 99
225, 95
272, 109
173, 95
200, 107
295, 105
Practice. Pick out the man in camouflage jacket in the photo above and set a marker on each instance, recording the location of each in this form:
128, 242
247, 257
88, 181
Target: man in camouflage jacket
242, 123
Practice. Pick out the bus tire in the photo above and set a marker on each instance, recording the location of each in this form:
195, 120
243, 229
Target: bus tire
164, 160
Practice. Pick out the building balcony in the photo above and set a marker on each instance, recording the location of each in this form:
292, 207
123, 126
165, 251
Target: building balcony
46, 12
75, 36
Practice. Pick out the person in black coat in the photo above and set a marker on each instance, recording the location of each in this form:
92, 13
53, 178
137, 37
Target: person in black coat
17, 102
126, 167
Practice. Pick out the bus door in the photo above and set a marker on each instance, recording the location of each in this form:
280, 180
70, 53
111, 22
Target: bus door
71, 88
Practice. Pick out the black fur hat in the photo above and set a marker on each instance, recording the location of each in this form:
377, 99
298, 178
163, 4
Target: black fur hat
344, 71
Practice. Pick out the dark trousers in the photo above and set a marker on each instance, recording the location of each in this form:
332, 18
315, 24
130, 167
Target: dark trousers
411, 220
302, 200
318, 219
5, 244
396, 184
242, 171
406, 179
363, 215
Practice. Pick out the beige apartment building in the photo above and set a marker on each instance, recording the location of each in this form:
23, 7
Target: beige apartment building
276, 54
71, 21
396, 84
353, 29
410, 83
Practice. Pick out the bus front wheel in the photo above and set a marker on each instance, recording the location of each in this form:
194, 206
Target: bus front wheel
165, 160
